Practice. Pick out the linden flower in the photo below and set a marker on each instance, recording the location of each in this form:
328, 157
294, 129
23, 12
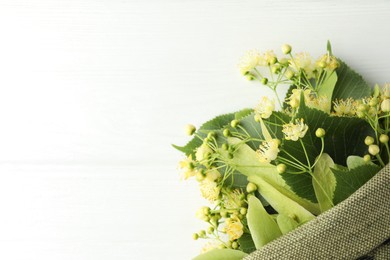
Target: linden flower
320, 103
295, 131
209, 190
303, 61
234, 228
188, 165
249, 61
235, 199
344, 107
327, 62
269, 57
268, 150
295, 98
265, 108
203, 152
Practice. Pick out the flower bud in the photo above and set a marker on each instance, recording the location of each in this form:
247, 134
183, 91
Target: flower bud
385, 106
226, 133
225, 146
320, 132
195, 236
286, 49
210, 230
373, 149
243, 211
289, 74
281, 168
211, 135
202, 233
367, 158
383, 138
190, 129
273, 60
251, 187
234, 123
369, 140
234, 245
264, 81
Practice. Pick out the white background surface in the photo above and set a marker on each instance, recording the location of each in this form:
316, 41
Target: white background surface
93, 92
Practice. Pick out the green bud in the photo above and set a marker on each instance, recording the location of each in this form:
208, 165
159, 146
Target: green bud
320, 132
264, 81
225, 146
190, 129
243, 211
224, 214
211, 135
226, 133
202, 233
373, 149
249, 77
286, 49
383, 138
234, 245
210, 230
367, 158
369, 140
206, 210
195, 236
273, 60
234, 123
251, 187
281, 168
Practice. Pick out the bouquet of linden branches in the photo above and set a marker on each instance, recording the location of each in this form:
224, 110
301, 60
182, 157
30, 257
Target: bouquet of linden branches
267, 173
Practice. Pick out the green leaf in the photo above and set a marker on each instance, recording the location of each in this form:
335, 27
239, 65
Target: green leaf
243, 113
350, 84
246, 243
286, 224
221, 254
324, 182
347, 182
262, 226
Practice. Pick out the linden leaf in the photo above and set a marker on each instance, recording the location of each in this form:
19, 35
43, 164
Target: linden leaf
221, 254
350, 84
347, 182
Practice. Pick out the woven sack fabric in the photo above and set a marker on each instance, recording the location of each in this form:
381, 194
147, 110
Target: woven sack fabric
357, 228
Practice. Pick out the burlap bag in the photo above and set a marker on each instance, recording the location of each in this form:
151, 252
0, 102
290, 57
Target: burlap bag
357, 228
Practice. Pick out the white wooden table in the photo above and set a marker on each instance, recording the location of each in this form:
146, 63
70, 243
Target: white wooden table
93, 92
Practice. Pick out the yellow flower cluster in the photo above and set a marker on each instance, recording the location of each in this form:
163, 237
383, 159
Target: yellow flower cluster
295, 131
